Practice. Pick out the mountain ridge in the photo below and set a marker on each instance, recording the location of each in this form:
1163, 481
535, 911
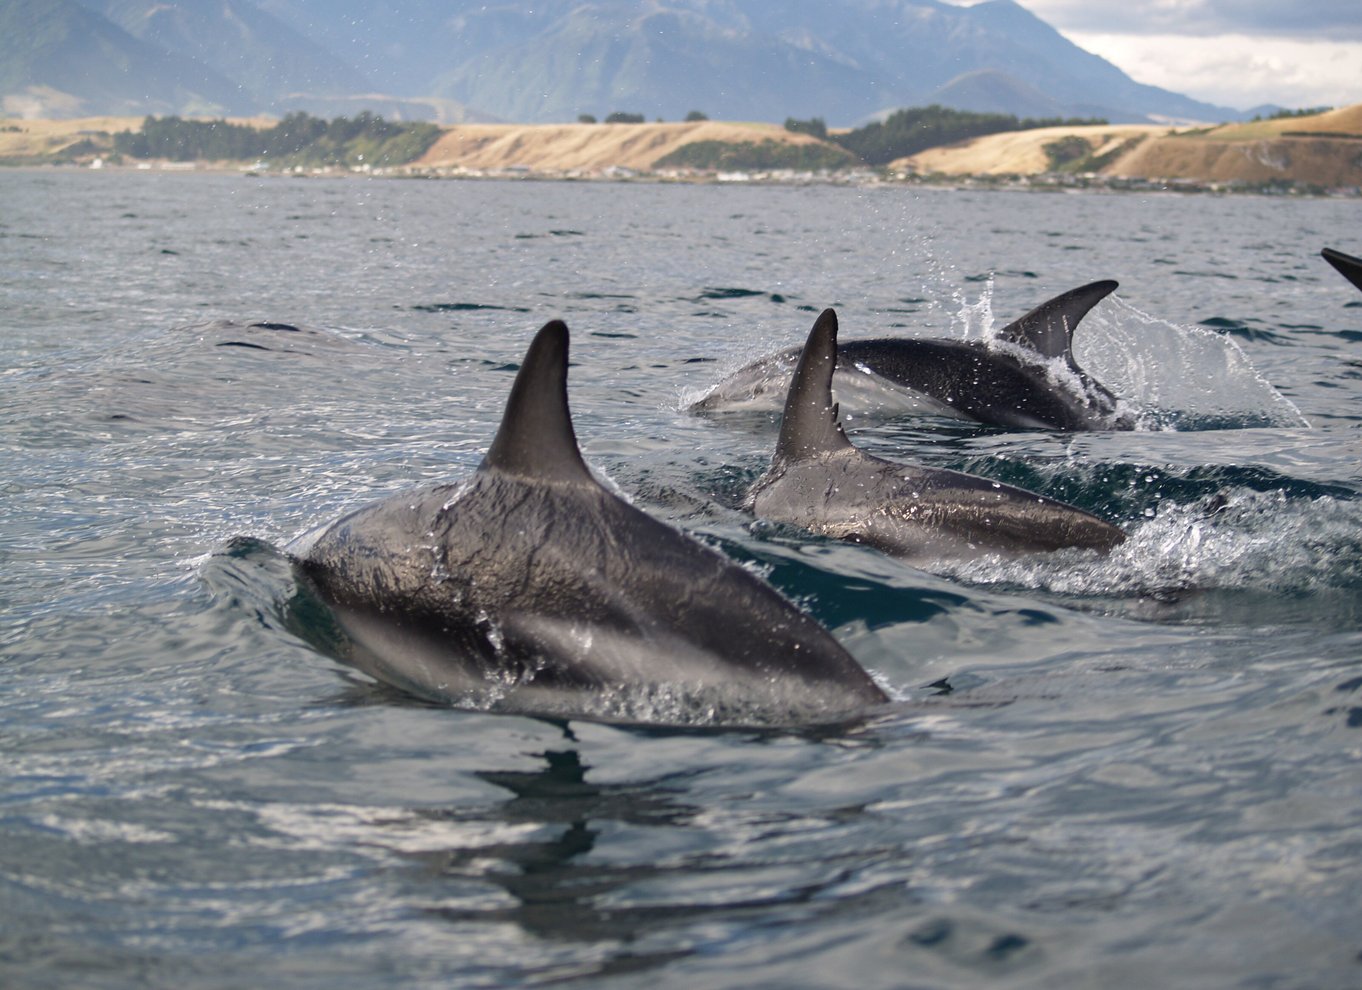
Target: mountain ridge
846, 61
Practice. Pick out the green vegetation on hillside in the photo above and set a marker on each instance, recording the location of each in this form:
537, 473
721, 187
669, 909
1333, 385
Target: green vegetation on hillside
764, 155
298, 139
814, 127
908, 131
1073, 154
1289, 114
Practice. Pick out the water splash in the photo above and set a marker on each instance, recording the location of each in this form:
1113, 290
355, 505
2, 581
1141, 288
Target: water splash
1178, 377
1240, 541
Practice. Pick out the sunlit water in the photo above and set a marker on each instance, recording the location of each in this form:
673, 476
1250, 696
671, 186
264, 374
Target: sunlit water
1128, 772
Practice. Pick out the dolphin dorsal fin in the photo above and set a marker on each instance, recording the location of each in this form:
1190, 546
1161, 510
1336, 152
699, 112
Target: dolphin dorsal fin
1049, 328
1345, 264
535, 438
809, 426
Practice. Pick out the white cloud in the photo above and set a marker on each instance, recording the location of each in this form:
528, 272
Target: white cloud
1324, 20
1237, 70
1235, 53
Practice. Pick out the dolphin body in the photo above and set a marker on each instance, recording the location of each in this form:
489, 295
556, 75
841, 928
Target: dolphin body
1026, 379
531, 588
1347, 266
820, 481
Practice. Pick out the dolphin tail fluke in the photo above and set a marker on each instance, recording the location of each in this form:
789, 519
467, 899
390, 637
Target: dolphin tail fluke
535, 438
810, 426
1049, 328
1348, 266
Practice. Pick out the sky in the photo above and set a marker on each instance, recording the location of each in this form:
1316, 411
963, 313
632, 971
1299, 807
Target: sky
1235, 53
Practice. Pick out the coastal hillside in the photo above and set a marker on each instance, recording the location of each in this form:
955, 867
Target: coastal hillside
1322, 149
589, 147
1025, 152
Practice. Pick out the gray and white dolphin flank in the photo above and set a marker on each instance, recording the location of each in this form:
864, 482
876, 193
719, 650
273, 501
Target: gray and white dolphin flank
531, 588
1026, 378
820, 481
1345, 264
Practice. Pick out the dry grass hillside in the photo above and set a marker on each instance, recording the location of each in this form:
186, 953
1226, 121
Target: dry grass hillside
1323, 149
585, 147
34, 138
1346, 121
1019, 152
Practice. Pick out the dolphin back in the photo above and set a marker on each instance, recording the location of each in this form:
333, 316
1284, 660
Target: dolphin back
532, 588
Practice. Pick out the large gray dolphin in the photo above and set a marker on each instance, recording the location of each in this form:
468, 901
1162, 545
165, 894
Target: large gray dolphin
1346, 265
531, 588
1026, 378
819, 480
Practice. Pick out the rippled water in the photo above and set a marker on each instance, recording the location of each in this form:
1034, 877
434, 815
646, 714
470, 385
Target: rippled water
1140, 771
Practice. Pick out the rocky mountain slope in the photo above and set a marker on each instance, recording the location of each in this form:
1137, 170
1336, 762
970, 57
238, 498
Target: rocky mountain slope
845, 61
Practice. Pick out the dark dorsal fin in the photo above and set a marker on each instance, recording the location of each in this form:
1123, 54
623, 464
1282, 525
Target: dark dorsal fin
1348, 266
810, 425
535, 438
1049, 328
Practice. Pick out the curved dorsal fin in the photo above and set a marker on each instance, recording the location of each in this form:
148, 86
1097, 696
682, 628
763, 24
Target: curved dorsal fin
535, 438
1049, 328
810, 426
1346, 265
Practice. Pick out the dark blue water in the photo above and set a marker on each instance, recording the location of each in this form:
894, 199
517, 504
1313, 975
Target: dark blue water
1143, 771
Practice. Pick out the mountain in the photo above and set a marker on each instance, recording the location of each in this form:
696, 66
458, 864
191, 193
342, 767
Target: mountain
845, 61
58, 59
267, 57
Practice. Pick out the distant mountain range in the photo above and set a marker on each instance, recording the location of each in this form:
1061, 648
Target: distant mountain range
846, 61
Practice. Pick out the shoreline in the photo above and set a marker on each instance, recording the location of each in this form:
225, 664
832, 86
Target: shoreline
1046, 182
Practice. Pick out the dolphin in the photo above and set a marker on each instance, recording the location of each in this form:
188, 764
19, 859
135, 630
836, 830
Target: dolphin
1348, 266
531, 588
820, 481
1026, 379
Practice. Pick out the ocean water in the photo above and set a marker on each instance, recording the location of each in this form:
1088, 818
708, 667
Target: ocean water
1132, 772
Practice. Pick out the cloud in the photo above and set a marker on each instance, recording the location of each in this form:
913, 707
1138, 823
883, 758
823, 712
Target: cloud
1326, 20
1237, 70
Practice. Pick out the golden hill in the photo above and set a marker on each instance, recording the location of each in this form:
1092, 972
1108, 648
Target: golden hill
35, 138
1019, 152
1324, 149
585, 147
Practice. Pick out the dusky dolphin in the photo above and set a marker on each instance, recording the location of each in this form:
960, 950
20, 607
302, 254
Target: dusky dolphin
1025, 378
1348, 266
531, 588
820, 481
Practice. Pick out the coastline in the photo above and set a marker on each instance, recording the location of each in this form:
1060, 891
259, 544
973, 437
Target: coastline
1312, 156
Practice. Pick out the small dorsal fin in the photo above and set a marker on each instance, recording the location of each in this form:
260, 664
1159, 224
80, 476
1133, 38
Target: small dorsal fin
1346, 265
535, 438
1049, 328
810, 425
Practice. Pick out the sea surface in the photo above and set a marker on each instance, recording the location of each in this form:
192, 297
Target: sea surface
1139, 771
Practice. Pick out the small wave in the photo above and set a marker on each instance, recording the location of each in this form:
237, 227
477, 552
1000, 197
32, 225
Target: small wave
464, 307
1240, 541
